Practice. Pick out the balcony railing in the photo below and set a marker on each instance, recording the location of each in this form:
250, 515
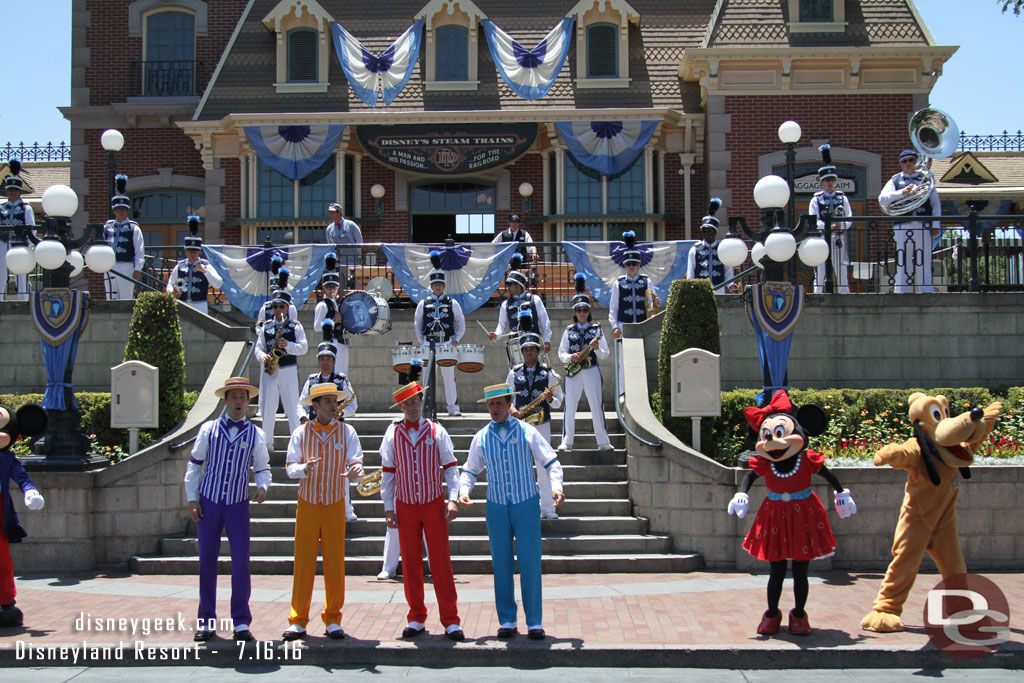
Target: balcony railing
35, 151
1003, 142
173, 78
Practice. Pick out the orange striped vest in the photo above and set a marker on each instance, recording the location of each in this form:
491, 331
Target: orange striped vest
326, 485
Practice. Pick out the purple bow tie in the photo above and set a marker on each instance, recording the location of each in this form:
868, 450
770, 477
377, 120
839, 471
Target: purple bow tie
229, 423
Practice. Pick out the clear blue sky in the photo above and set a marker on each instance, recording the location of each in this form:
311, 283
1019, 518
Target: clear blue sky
979, 87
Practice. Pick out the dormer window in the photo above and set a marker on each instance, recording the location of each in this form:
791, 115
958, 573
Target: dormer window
817, 16
450, 50
303, 45
602, 42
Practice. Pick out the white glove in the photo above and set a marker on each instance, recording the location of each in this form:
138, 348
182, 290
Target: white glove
33, 500
739, 504
845, 506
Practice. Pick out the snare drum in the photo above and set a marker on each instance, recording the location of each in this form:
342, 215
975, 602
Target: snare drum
447, 355
515, 354
401, 357
365, 313
471, 357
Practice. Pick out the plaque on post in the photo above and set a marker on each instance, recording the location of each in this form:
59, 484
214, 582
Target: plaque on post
696, 387
134, 399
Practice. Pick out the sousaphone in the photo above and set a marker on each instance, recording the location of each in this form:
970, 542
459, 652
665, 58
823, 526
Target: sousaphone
934, 135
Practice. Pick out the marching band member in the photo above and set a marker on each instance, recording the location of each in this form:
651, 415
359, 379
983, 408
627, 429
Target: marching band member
217, 490
329, 308
703, 261
509, 450
325, 454
912, 235
836, 204
125, 236
287, 335
414, 454
267, 312
628, 303
532, 381
325, 359
518, 300
193, 277
439, 316
14, 211
577, 336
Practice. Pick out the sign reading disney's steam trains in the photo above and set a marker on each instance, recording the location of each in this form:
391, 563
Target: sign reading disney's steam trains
447, 150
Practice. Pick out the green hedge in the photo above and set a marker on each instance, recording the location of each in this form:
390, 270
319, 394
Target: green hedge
154, 337
871, 415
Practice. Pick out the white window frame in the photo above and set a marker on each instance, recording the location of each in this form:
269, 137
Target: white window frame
616, 12
292, 14
438, 13
837, 25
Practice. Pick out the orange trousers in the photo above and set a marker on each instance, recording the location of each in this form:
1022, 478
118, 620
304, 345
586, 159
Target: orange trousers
319, 527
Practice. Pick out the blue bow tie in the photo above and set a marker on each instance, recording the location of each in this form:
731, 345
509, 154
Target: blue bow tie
238, 424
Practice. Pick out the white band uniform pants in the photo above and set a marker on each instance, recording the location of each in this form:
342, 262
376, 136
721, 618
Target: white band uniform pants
586, 382
839, 250
121, 288
913, 244
281, 387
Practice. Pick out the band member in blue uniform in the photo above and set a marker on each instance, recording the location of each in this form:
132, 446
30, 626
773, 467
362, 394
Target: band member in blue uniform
217, 490
509, 450
580, 334
440, 316
328, 309
628, 303
14, 211
193, 277
533, 380
125, 236
835, 203
288, 337
266, 313
703, 261
518, 300
913, 237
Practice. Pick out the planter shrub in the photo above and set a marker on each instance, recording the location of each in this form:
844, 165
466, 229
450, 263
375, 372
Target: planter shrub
154, 337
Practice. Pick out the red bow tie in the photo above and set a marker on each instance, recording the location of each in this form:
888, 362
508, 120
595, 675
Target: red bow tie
780, 403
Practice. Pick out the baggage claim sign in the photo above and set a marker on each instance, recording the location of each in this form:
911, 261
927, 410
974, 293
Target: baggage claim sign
448, 150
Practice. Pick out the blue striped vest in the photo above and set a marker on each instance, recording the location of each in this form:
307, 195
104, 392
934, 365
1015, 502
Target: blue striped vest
509, 463
228, 461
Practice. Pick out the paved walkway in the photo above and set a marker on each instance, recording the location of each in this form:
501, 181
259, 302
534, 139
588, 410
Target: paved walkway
697, 619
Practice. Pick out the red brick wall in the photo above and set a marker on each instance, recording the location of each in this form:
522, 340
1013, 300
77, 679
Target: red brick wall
394, 225
528, 169
675, 197
231, 197
145, 150
872, 123
112, 51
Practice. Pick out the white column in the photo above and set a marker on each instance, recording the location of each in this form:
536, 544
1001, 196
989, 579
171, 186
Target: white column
339, 177
687, 170
546, 181
357, 186
648, 180
253, 180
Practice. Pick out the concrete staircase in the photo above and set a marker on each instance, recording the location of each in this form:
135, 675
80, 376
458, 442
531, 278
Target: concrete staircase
595, 533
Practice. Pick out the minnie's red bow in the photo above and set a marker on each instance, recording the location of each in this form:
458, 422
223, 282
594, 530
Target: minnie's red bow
780, 403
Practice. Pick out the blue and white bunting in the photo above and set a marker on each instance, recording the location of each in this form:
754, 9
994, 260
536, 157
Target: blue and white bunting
294, 151
601, 262
607, 147
529, 73
473, 272
387, 72
247, 273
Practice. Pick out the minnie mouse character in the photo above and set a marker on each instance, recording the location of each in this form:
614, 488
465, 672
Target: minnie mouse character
792, 523
30, 420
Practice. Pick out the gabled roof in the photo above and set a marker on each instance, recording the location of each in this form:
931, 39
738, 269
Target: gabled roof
966, 169
1007, 168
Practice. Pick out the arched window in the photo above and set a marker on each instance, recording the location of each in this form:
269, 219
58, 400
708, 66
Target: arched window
170, 54
602, 51
302, 56
167, 206
452, 53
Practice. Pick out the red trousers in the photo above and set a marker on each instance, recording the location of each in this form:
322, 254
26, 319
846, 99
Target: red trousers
415, 522
7, 590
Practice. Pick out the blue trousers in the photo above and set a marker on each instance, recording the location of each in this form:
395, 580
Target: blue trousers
520, 523
234, 519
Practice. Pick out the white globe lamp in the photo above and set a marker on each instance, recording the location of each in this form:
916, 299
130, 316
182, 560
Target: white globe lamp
813, 251
771, 192
780, 245
60, 201
525, 190
51, 254
732, 252
100, 258
377, 191
21, 260
112, 140
789, 132
757, 253
77, 263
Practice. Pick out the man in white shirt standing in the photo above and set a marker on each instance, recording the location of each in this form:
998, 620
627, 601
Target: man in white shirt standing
439, 317
835, 204
193, 277
912, 237
125, 236
14, 211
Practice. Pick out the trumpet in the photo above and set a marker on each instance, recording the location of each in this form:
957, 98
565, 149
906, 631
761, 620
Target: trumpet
370, 484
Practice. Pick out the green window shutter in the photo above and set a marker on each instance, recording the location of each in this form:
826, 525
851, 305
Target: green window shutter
302, 57
602, 51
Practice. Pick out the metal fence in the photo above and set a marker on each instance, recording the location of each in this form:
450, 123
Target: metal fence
166, 78
36, 151
1001, 142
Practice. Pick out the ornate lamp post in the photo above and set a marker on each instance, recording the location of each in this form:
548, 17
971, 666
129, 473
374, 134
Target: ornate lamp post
112, 141
377, 192
60, 315
526, 192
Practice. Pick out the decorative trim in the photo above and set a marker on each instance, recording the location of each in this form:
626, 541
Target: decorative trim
165, 180
601, 83
871, 162
817, 27
437, 13
451, 85
138, 9
288, 15
587, 12
286, 88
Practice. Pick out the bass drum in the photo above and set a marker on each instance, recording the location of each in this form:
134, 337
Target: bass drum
365, 313
471, 357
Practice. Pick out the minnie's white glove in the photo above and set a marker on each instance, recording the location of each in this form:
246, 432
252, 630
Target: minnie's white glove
33, 500
845, 506
739, 504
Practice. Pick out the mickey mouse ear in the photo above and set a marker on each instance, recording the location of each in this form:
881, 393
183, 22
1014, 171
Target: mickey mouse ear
31, 420
812, 418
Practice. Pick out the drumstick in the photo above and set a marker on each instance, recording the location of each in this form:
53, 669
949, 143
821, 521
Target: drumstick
486, 331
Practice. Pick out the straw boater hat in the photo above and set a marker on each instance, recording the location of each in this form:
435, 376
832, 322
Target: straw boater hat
324, 389
497, 391
236, 383
413, 387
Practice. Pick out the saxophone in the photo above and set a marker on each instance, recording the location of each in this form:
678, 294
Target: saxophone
275, 353
651, 302
573, 369
531, 413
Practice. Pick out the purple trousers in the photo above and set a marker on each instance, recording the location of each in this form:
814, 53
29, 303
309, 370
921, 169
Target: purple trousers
234, 519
